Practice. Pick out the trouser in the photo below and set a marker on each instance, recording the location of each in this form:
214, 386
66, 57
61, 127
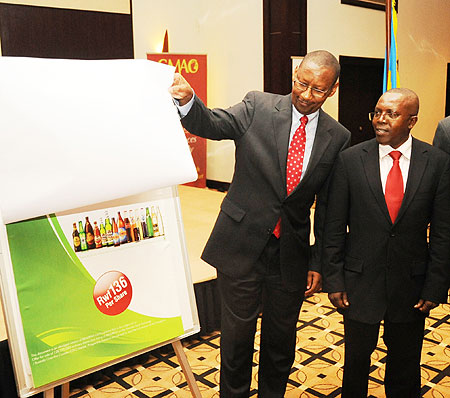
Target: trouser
404, 345
243, 299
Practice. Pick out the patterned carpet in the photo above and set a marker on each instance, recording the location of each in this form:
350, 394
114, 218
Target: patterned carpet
316, 372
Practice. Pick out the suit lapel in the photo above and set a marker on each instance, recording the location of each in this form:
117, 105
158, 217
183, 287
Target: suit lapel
417, 166
370, 159
282, 121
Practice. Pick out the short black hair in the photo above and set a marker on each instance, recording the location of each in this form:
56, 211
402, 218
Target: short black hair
326, 59
411, 97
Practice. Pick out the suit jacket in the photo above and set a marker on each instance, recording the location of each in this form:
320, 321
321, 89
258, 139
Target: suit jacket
386, 268
442, 135
260, 127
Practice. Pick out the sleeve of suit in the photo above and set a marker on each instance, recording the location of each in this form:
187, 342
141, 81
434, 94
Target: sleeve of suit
438, 273
319, 219
335, 230
219, 124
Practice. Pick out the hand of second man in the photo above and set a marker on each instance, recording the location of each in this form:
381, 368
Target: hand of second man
313, 284
339, 299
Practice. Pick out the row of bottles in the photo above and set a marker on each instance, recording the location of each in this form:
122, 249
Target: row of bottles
137, 226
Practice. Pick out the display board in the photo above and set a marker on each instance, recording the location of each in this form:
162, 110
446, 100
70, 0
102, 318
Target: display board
105, 275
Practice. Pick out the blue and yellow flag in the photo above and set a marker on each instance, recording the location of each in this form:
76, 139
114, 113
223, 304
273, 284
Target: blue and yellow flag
391, 77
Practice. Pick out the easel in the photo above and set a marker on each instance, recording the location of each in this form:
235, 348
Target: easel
184, 363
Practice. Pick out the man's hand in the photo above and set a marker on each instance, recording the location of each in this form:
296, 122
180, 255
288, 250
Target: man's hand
181, 89
339, 299
425, 306
313, 284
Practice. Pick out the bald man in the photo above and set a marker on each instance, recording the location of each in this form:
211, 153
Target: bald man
378, 264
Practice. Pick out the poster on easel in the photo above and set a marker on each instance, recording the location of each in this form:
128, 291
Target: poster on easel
194, 69
93, 261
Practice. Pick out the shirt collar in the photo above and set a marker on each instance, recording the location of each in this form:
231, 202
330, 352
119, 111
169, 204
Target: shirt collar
405, 149
296, 115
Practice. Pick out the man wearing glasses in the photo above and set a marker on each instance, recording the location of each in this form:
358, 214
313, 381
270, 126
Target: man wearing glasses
378, 263
286, 147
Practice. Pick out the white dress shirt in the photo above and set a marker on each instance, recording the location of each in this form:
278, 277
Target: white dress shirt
386, 161
183, 110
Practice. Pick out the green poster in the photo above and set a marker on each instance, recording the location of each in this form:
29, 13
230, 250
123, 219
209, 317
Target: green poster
84, 308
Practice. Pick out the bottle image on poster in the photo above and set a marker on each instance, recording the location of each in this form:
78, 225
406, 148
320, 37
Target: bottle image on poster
89, 231
137, 225
76, 238
98, 236
122, 230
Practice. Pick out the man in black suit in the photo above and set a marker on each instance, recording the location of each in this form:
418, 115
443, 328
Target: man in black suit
378, 264
259, 269
442, 135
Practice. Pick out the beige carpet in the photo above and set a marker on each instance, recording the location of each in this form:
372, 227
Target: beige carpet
317, 371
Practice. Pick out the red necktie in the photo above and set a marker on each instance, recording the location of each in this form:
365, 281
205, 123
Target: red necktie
294, 164
394, 186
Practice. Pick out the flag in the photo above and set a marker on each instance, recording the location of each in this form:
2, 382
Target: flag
166, 42
391, 77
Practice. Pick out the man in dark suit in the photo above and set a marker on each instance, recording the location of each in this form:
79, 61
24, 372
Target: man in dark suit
259, 269
378, 264
442, 135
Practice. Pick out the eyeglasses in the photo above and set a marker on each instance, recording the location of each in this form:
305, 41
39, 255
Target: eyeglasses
314, 91
388, 115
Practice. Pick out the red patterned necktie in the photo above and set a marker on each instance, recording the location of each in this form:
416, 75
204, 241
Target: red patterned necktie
394, 187
294, 164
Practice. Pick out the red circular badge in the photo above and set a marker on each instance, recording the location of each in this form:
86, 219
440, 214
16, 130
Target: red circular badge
112, 293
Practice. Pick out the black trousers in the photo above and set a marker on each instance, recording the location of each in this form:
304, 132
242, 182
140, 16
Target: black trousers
242, 301
404, 346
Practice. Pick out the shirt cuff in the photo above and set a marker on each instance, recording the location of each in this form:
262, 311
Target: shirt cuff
183, 110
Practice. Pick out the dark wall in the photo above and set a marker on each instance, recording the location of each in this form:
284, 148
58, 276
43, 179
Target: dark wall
360, 86
284, 36
62, 33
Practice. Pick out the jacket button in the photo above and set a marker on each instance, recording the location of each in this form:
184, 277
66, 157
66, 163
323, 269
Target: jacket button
269, 231
392, 235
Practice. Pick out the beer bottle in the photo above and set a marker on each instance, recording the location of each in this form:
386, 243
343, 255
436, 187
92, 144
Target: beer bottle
76, 238
103, 234
90, 237
155, 222
116, 237
149, 223
143, 223
138, 224
98, 236
82, 236
109, 231
128, 227
134, 228
160, 221
122, 230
